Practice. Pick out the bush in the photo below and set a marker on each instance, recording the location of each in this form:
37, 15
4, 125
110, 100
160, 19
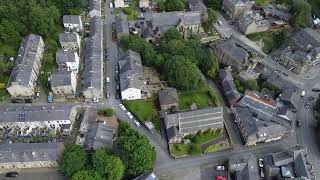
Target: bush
107, 112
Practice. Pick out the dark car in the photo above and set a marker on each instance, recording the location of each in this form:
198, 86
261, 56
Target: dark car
117, 95
117, 87
316, 89
11, 174
299, 124
116, 78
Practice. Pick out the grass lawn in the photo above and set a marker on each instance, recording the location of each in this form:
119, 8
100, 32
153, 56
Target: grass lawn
217, 147
262, 2
143, 110
267, 39
179, 149
131, 12
203, 98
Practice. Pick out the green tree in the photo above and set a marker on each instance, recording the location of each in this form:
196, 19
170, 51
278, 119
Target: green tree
209, 65
182, 73
72, 7
135, 150
212, 18
252, 85
161, 4
301, 14
280, 37
108, 166
174, 5
73, 160
86, 175
214, 4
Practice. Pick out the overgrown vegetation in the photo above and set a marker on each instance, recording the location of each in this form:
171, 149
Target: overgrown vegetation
131, 12
301, 11
271, 40
193, 147
176, 58
133, 156
170, 5
20, 18
208, 23
109, 112
214, 4
262, 2
143, 110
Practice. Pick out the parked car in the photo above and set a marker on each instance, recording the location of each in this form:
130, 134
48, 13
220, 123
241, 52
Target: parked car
316, 89
129, 115
12, 174
311, 98
219, 23
116, 78
117, 87
117, 69
261, 173
122, 107
221, 178
298, 123
107, 95
220, 168
307, 105
38, 94
108, 79
117, 95
136, 123
260, 162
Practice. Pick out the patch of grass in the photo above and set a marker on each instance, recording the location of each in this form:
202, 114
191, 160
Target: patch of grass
203, 98
206, 136
143, 110
267, 39
179, 149
106, 112
217, 147
262, 2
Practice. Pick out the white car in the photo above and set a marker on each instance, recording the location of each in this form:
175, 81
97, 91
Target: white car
122, 107
136, 123
260, 162
220, 168
129, 115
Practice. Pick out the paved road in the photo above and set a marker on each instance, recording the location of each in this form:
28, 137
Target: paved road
37, 174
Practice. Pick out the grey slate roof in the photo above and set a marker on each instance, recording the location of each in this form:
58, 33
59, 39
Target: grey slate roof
71, 19
122, 26
168, 96
262, 107
270, 9
61, 78
229, 89
29, 113
305, 38
29, 152
166, 20
197, 5
95, 25
246, 119
99, 136
172, 132
26, 59
235, 52
94, 5
67, 37
62, 56
131, 71
244, 167
193, 121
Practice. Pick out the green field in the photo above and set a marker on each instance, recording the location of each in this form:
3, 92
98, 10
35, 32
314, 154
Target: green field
143, 110
203, 98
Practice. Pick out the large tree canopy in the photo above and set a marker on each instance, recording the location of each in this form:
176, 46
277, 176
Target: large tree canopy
135, 150
86, 175
109, 166
301, 14
73, 160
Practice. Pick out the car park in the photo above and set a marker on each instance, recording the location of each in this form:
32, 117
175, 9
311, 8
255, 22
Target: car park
220, 168
12, 174
129, 115
260, 162
136, 123
121, 106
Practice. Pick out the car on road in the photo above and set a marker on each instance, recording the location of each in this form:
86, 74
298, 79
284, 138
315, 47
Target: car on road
108, 79
136, 123
220, 168
117, 87
117, 69
316, 89
129, 115
221, 178
117, 95
121, 106
107, 95
12, 174
307, 106
219, 23
261, 173
260, 161
298, 123
116, 78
